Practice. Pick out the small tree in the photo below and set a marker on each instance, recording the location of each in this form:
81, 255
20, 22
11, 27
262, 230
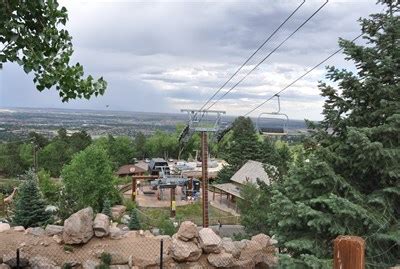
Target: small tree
134, 223
107, 208
30, 207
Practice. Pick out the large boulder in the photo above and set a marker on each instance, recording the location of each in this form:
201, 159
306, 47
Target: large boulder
118, 211
4, 266
253, 254
4, 227
262, 239
210, 242
101, 225
19, 228
187, 231
78, 228
187, 251
221, 259
116, 233
54, 230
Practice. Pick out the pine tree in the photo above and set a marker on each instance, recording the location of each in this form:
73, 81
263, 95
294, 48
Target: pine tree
134, 223
348, 182
30, 205
107, 208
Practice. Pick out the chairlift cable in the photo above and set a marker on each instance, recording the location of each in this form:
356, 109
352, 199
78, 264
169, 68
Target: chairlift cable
299, 78
254, 53
269, 54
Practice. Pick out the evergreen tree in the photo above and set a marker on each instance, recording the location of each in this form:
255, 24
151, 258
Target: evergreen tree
30, 205
107, 208
348, 182
134, 222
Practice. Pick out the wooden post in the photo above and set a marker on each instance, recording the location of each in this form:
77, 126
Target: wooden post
204, 170
134, 188
349, 252
173, 203
214, 194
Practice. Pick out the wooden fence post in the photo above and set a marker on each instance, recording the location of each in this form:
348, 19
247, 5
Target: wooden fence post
349, 252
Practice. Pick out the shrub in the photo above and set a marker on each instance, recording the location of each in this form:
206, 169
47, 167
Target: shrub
167, 227
107, 208
106, 258
48, 187
134, 223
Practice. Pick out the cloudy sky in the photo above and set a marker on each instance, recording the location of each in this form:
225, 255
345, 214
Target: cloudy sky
164, 56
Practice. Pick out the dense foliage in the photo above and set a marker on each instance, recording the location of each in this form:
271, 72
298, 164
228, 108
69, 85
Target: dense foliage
30, 205
134, 222
348, 179
243, 143
89, 180
33, 35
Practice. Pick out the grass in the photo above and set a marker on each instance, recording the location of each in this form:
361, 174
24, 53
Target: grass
192, 212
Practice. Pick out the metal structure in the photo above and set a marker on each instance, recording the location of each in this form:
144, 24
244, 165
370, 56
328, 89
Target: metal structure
273, 131
203, 121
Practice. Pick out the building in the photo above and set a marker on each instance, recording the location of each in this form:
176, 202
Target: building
250, 172
130, 170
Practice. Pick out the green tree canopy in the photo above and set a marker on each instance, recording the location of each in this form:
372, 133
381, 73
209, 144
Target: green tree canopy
348, 181
33, 34
30, 205
89, 179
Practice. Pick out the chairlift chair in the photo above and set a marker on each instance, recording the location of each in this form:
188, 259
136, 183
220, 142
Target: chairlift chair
270, 130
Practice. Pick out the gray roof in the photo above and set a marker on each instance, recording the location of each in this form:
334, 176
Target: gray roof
228, 188
249, 172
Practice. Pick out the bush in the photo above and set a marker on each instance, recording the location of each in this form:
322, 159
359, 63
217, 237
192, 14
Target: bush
88, 179
167, 227
49, 188
106, 258
134, 223
130, 205
107, 208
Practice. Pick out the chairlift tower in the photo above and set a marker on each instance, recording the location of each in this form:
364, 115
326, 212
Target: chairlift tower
203, 121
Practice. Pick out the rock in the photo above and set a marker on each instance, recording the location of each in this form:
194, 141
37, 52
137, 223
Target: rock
262, 239
187, 231
155, 231
230, 247
221, 260
119, 259
118, 211
19, 228
4, 266
4, 227
54, 230
146, 261
12, 262
101, 225
40, 262
51, 208
90, 264
185, 250
254, 254
37, 231
125, 219
58, 239
78, 228
210, 242
115, 233
120, 266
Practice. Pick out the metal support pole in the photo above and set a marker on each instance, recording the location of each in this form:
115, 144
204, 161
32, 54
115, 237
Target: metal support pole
18, 265
161, 253
204, 159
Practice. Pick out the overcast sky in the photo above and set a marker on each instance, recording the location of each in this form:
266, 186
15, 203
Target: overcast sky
164, 56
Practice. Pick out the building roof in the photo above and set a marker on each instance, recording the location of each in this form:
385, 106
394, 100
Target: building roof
130, 169
228, 188
250, 172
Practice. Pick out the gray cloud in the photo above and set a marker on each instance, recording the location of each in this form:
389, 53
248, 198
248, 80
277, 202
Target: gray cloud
160, 56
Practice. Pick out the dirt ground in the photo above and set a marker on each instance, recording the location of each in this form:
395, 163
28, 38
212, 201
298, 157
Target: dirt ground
138, 246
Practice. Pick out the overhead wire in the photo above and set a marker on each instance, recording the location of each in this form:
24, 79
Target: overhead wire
269, 54
299, 78
254, 53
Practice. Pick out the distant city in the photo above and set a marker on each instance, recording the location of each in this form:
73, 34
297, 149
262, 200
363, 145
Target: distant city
16, 123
